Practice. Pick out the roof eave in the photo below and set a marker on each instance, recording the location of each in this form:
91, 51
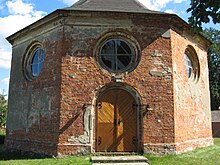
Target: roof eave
188, 28
117, 11
59, 13
40, 22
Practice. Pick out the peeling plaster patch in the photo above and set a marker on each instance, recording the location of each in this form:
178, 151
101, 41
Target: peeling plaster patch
33, 118
167, 69
83, 151
84, 139
17, 119
72, 75
155, 72
157, 62
166, 34
174, 68
49, 104
156, 54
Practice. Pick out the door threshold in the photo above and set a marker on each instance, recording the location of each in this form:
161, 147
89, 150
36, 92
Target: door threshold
115, 153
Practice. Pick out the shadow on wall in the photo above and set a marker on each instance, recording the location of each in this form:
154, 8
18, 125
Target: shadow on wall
70, 122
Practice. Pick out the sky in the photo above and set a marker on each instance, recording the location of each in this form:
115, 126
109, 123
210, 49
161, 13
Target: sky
17, 14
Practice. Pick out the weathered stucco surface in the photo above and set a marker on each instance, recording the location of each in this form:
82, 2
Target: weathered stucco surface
191, 98
33, 116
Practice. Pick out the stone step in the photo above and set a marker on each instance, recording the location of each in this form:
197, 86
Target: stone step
115, 153
120, 163
134, 159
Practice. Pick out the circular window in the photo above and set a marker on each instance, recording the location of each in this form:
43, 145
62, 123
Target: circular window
189, 67
191, 63
34, 61
37, 62
117, 56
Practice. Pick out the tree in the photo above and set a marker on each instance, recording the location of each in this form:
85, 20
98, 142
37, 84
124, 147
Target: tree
202, 11
214, 66
3, 111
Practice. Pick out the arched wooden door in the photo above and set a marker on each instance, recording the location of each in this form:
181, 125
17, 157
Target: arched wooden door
116, 122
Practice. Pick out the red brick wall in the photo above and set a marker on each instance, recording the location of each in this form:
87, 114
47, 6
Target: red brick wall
50, 109
191, 99
82, 78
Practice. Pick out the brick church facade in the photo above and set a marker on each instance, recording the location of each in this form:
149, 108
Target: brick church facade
108, 77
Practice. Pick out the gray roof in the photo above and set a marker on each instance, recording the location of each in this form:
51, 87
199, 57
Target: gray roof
132, 6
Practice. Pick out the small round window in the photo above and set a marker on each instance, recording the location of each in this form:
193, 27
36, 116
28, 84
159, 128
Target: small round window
189, 67
191, 63
33, 62
37, 62
117, 56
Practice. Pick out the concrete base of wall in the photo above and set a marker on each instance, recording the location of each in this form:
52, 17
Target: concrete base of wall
177, 148
43, 148
73, 149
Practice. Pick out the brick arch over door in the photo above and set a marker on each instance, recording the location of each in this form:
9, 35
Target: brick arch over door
117, 120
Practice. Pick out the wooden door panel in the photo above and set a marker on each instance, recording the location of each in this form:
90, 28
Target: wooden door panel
105, 137
117, 122
106, 113
127, 114
120, 138
106, 129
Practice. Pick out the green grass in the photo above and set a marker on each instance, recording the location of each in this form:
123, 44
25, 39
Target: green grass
202, 156
49, 161
18, 158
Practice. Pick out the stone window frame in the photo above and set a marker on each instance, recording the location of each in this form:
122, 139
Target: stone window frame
192, 64
28, 60
130, 40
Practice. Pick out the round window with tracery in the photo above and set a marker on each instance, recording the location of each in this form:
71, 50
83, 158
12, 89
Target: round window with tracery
33, 61
37, 62
117, 56
192, 63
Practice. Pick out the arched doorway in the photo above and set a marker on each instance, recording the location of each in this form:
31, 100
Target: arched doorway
116, 121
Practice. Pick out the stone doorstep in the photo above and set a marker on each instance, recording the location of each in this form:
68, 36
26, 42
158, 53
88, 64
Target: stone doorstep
119, 159
120, 164
115, 154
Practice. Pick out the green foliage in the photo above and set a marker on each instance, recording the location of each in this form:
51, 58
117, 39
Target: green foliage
214, 66
202, 11
3, 111
2, 136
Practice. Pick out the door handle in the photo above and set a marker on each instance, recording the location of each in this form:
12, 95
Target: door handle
115, 121
99, 140
119, 121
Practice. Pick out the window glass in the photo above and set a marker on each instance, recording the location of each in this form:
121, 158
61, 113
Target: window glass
191, 63
37, 62
117, 55
188, 64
